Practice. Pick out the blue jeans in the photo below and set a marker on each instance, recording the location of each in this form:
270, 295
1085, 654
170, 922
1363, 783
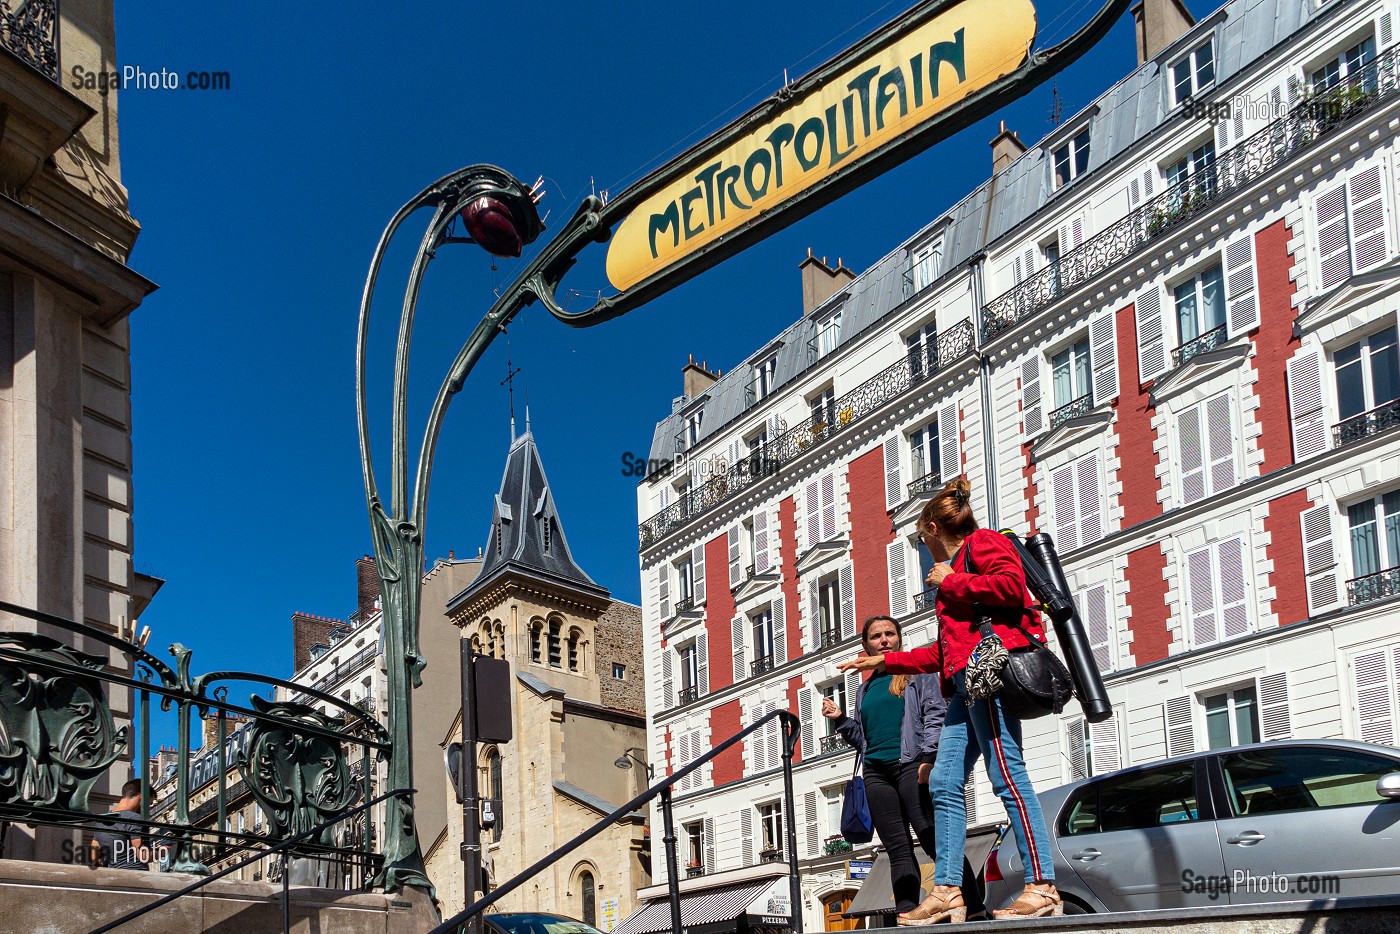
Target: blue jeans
997, 739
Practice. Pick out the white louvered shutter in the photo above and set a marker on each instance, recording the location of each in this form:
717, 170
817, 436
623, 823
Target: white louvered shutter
1076, 745
814, 607
808, 715
846, 581
736, 558
812, 500
1151, 334
683, 758
852, 686
1374, 676
1062, 489
1177, 714
1032, 413
663, 587
1241, 292
1104, 750
1191, 460
668, 693
1223, 470
828, 507
894, 490
1200, 597
1222, 136
1103, 355
1305, 408
1333, 248
1385, 28
709, 841
761, 560
1090, 499
1016, 273
736, 632
809, 805
774, 733
949, 441
1320, 559
898, 574
780, 646
1234, 607
757, 741
746, 836
702, 663
1370, 231
1098, 624
697, 569
1275, 718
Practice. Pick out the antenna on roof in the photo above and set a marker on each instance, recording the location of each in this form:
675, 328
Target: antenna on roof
1057, 108
509, 383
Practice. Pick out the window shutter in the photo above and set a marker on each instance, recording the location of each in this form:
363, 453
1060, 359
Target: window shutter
894, 490
970, 797
1134, 194
668, 694
949, 442
814, 605
736, 630
709, 831
1181, 731
1103, 355
1099, 625
1310, 434
1028, 264
846, 581
683, 758
1104, 751
1234, 610
1222, 136
1090, 500
807, 715
1151, 334
663, 587
774, 732
812, 500
1374, 678
702, 663
1320, 559
1333, 250
1075, 746
1032, 418
1200, 598
761, 561
809, 805
757, 741
1370, 234
1220, 442
736, 558
1386, 31
1062, 488
697, 567
780, 651
1191, 456
1274, 717
745, 836
898, 577
1016, 269
852, 686
1241, 298
828, 507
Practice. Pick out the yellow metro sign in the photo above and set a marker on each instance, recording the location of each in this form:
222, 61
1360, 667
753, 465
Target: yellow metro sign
913, 76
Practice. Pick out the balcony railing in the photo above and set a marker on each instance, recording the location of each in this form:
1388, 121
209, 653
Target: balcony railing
833, 743
761, 664
1242, 165
750, 572
847, 410
925, 600
684, 604
1072, 409
925, 485
1194, 348
688, 696
829, 638
28, 29
694, 869
1367, 423
1374, 587
833, 845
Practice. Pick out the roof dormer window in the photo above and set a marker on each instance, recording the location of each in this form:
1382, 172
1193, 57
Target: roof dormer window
1193, 73
1072, 159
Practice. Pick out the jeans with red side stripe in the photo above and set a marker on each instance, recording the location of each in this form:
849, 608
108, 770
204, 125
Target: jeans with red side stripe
970, 733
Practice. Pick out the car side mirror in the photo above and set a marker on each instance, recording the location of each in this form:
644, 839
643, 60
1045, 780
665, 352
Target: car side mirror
1388, 786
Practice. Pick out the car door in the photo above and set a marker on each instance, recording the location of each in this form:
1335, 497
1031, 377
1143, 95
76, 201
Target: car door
1146, 839
1305, 822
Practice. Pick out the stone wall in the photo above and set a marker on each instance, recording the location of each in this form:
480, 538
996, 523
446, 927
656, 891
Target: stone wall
618, 638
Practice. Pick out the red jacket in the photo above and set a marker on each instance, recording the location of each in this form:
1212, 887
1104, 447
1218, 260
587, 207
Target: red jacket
999, 581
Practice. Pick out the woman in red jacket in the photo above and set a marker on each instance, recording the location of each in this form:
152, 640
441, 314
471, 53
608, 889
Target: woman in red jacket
978, 574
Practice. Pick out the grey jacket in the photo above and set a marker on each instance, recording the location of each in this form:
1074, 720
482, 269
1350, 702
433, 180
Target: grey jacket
924, 710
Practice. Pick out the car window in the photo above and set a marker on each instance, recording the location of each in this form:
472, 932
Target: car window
1296, 778
1150, 798
530, 923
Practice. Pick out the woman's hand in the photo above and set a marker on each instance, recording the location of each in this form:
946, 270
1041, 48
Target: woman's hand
937, 573
829, 709
862, 663
925, 769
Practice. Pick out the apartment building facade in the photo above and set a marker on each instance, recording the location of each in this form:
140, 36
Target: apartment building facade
1166, 335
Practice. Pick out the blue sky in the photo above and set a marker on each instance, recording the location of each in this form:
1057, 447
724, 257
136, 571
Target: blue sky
260, 206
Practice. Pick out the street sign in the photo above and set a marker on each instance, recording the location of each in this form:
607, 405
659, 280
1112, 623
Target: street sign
492, 699
607, 913
858, 868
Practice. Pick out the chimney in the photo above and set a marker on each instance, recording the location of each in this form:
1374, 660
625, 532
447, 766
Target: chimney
308, 630
697, 378
366, 587
820, 281
1157, 24
1006, 149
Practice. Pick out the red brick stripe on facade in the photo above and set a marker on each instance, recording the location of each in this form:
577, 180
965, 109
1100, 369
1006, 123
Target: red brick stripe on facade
1147, 602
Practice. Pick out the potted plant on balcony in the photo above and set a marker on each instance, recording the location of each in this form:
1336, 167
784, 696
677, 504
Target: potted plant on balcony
694, 868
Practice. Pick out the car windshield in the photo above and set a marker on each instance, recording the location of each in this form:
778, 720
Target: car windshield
527, 923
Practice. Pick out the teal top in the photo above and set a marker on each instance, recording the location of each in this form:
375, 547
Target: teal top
881, 716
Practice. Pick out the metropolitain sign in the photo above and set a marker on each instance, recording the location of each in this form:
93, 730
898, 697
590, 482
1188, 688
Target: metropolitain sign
828, 127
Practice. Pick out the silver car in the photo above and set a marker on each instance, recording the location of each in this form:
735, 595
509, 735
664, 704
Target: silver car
1282, 821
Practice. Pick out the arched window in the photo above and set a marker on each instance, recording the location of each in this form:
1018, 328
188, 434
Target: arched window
494, 769
554, 647
573, 649
586, 893
535, 642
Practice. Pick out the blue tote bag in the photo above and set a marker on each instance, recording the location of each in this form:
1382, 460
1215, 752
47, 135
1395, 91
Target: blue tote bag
856, 825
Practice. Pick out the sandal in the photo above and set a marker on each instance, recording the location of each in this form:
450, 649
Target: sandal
1034, 902
944, 903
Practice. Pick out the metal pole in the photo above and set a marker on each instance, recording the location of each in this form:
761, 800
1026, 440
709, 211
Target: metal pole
221, 734
673, 882
286, 896
466, 781
789, 725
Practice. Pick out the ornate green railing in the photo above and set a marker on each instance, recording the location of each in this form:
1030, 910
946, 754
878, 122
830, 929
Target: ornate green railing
58, 738
28, 29
1242, 165
845, 412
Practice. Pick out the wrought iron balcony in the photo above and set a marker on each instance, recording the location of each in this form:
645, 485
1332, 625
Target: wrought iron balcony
833, 845
927, 484
833, 743
1241, 165
1374, 587
925, 600
683, 605
1071, 409
750, 572
846, 411
1194, 348
694, 869
688, 696
1367, 423
772, 854
29, 30
761, 664
829, 638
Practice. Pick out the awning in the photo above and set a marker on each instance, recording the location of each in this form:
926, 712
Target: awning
876, 897
720, 905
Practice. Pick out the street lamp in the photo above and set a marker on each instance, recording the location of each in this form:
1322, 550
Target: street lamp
629, 756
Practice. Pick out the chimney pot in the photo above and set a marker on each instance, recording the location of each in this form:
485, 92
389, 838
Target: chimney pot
820, 281
1157, 24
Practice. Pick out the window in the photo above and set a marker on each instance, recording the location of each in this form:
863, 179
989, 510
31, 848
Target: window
835, 691
554, 656
1200, 305
926, 262
1368, 379
619, 671
763, 374
924, 457
1346, 67
1206, 455
589, 914
829, 605
1077, 503
1232, 718
1193, 74
761, 624
828, 334
1072, 159
832, 798
1375, 535
1216, 598
1193, 174
694, 845
574, 637
770, 819
535, 643
493, 768
1137, 801
823, 406
685, 573
1298, 778
692, 428
1069, 370
922, 347
690, 668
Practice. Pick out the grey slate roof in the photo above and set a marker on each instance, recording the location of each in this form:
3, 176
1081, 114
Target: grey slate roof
1133, 109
